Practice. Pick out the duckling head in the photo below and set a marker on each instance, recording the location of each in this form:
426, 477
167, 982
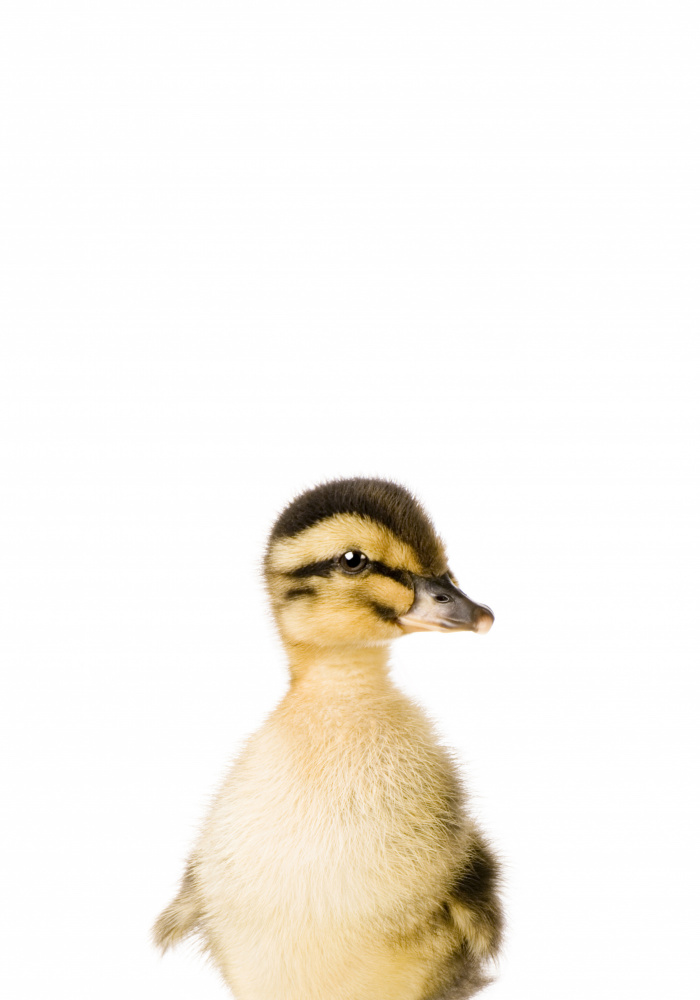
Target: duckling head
357, 562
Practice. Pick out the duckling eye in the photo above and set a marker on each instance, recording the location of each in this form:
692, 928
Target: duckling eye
353, 561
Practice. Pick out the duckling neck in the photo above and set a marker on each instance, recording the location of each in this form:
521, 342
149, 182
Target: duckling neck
363, 668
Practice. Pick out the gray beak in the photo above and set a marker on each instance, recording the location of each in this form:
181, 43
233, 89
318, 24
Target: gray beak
439, 606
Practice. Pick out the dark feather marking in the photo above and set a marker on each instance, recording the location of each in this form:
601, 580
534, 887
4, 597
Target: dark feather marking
326, 566
463, 978
378, 499
300, 592
313, 569
477, 888
400, 575
382, 611
477, 883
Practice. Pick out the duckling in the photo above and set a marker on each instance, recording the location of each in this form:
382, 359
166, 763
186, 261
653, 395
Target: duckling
338, 861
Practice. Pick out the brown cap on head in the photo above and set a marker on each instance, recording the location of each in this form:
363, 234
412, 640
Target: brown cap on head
379, 500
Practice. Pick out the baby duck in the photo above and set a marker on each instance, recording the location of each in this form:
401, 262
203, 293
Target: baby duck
338, 861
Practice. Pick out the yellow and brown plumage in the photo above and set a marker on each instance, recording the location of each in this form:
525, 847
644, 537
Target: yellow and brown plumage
338, 861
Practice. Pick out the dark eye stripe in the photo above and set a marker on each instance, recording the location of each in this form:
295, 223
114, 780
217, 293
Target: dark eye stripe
326, 567
400, 575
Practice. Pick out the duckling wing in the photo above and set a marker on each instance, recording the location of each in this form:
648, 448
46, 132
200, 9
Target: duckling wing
474, 902
182, 916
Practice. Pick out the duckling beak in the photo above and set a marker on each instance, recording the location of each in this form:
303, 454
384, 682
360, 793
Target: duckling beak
439, 606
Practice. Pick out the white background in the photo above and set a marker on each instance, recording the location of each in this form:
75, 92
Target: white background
247, 247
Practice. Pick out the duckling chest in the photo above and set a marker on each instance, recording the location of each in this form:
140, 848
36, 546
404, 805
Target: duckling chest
346, 810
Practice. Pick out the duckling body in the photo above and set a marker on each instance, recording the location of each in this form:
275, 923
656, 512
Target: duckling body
338, 861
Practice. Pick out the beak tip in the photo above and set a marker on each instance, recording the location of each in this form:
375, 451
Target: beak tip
485, 621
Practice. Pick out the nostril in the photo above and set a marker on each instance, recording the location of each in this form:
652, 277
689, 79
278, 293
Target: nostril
443, 598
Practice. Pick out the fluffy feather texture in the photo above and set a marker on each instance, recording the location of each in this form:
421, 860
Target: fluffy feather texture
338, 861
376, 500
